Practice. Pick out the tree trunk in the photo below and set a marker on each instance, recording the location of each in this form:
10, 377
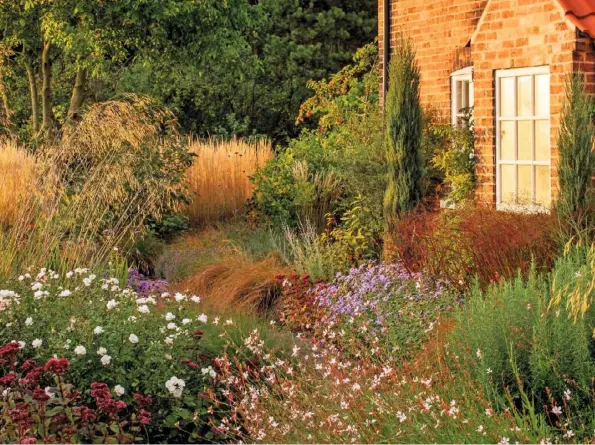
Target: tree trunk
78, 95
46, 93
34, 97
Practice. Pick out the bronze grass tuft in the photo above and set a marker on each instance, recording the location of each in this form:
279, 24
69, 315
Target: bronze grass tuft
238, 282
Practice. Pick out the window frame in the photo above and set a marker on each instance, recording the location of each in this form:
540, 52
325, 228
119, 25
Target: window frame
516, 73
462, 75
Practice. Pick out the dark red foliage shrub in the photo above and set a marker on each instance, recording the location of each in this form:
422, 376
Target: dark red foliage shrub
31, 414
460, 245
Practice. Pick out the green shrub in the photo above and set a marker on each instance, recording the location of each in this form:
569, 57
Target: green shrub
527, 352
324, 170
454, 158
403, 133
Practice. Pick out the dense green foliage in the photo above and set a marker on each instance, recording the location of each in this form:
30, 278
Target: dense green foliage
322, 172
233, 67
451, 153
403, 133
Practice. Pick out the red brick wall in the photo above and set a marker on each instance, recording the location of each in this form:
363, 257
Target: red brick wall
440, 30
517, 34
511, 34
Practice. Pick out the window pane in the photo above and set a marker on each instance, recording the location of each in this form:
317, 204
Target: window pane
525, 96
465, 94
542, 186
542, 95
458, 104
507, 96
525, 184
507, 184
507, 150
542, 140
525, 140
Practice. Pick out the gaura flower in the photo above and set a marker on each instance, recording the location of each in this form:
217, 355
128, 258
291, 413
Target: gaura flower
28, 321
133, 338
98, 330
112, 304
65, 293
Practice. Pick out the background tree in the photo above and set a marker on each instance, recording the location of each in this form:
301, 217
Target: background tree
403, 133
235, 67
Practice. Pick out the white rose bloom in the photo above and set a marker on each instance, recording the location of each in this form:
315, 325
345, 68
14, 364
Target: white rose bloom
169, 316
175, 386
69, 274
65, 293
98, 330
28, 321
180, 297
101, 351
169, 340
22, 277
202, 318
172, 326
105, 360
144, 309
186, 321
36, 343
80, 350
133, 338
119, 390
112, 304
195, 299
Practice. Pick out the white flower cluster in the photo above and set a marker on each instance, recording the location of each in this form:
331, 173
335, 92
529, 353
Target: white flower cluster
175, 386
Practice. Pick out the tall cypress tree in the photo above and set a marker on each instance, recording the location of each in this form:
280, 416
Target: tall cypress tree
403, 133
576, 165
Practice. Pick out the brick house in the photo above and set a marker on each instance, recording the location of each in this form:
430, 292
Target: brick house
509, 60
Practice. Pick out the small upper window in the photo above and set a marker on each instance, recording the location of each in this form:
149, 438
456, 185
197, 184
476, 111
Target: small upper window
461, 96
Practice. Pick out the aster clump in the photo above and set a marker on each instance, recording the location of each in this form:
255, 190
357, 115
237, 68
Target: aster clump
380, 307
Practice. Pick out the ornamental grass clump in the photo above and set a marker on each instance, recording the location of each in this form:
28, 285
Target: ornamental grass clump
219, 179
96, 188
17, 180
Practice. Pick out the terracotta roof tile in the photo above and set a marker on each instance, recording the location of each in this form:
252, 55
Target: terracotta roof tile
581, 13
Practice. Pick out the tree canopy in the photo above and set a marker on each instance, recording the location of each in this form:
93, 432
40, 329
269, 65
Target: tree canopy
224, 67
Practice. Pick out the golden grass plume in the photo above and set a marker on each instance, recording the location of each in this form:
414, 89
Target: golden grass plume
219, 177
17, 177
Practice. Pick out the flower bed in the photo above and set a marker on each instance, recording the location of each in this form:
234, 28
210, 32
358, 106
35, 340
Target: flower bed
134, 344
